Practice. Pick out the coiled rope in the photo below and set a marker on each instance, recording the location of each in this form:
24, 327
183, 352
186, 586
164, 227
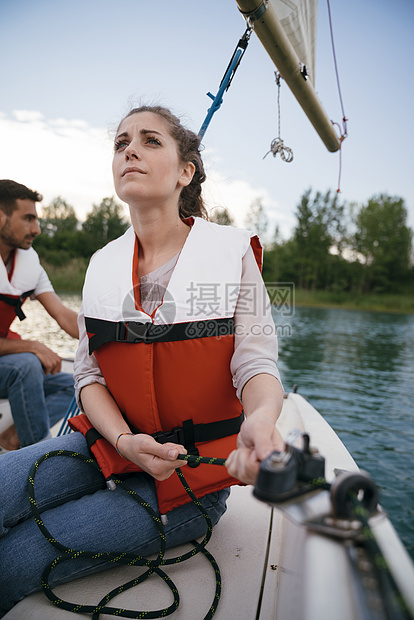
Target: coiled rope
153, 566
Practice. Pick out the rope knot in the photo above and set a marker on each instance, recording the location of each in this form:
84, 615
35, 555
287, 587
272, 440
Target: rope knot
277, 146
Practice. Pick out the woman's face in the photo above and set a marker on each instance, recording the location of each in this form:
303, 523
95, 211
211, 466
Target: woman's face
146, 165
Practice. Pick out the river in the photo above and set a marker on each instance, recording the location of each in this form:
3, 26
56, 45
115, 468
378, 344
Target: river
356, 368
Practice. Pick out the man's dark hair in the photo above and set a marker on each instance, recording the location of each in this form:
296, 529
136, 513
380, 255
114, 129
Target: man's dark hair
10, 191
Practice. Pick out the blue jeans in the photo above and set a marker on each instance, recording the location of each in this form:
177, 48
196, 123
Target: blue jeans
79, 512
37, 401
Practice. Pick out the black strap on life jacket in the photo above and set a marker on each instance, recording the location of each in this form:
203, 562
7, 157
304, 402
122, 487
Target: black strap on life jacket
186, 435
190, 433
134, 332
17, 302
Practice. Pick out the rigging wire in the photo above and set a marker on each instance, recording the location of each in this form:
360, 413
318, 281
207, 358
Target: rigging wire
344, 130
277, 145
227, 79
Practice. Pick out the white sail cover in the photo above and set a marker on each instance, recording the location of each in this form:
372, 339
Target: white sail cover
299, 18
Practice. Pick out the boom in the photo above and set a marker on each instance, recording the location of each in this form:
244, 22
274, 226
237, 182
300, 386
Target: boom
269, 30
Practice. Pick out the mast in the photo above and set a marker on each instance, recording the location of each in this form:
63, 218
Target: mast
269, 30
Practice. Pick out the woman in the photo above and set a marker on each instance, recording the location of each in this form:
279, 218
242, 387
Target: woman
172, 350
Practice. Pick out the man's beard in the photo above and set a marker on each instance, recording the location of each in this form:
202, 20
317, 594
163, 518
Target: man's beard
8, 238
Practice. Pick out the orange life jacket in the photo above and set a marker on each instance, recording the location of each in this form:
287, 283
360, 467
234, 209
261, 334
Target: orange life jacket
16, 287
169, 373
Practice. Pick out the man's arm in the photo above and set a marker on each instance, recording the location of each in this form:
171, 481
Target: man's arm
65, 318
50, 361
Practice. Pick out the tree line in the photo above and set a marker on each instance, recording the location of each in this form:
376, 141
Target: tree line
334, 246
64, 237
338, 247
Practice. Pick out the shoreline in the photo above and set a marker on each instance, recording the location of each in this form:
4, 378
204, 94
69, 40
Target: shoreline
369, 302
354, 308
68, 279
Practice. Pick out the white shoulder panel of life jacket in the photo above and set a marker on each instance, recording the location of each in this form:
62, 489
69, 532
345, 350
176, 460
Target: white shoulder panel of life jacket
25, 276
204, 284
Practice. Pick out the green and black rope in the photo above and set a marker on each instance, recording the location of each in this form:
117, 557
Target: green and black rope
121, 557
206, 460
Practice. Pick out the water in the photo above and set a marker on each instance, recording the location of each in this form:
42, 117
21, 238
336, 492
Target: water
39, 326
356, 368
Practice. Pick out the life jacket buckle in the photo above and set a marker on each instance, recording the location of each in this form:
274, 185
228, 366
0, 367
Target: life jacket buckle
175, 435
132, 332
183, 435
189, 438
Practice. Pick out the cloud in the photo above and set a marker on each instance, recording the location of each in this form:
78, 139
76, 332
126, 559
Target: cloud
27, 116
237, 195
57, 157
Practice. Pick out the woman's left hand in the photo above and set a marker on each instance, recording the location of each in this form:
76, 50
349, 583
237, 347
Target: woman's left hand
257, 439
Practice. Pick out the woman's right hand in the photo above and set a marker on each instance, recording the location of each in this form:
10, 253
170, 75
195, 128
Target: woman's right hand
158, 460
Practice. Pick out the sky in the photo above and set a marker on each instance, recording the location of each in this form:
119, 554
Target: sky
71, 70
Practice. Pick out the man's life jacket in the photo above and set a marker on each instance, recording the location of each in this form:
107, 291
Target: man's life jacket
169, 373
16, 287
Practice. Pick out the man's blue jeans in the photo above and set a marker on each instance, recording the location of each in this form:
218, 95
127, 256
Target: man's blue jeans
37, 401
81, 513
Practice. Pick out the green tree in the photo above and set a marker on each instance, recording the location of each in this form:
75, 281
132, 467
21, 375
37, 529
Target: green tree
222, 216
59, 239
384, 240
256, 219
58, 216
319, 229
103, 224
281, 262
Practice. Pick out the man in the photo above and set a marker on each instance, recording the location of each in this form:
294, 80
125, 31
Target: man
30, 376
